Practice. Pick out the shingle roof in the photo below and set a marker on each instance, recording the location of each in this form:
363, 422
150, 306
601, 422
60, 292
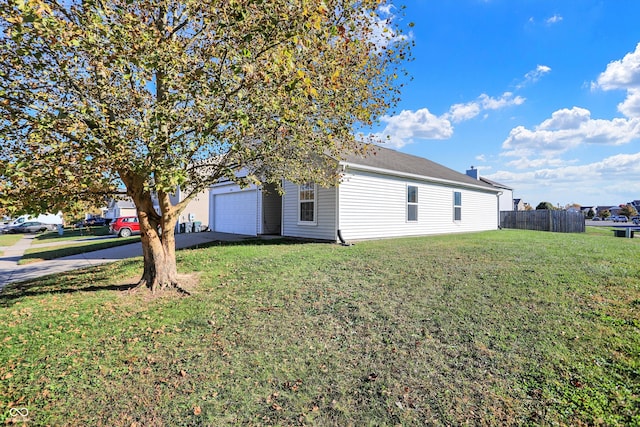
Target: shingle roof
385, 158
495, 184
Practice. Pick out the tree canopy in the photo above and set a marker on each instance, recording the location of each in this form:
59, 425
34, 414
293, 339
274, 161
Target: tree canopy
155, 94
628, 210
545, 206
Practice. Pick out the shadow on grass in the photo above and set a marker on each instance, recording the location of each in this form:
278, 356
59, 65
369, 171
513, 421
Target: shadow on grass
91, 279
257, 241
101, 277
74, 232
54, 252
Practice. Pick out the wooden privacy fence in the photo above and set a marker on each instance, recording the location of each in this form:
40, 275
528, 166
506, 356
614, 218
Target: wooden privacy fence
544, 220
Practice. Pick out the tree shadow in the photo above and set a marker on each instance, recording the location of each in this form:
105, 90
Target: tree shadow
259, 241
89, 279
100, 278
75, 232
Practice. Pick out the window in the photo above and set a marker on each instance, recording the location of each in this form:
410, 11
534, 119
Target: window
457, 206
307, 203
412, 203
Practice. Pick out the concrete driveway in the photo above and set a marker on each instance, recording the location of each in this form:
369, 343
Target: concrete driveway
11, 272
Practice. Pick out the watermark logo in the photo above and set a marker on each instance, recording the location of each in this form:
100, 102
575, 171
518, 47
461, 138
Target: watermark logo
18, 412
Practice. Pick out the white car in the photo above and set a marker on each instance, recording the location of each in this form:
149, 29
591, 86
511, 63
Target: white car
619, 218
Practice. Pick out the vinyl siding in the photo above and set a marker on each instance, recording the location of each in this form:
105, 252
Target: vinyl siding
506, 200
325, 227
375, 206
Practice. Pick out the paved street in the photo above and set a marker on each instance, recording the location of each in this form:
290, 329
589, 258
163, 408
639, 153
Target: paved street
11, 272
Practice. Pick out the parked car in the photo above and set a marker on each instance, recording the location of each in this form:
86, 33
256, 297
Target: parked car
125, 226
27, 227
95, 222
595, 218
619, 218
635, 219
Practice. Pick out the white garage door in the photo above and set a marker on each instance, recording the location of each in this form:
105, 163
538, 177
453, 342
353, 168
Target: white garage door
236, 213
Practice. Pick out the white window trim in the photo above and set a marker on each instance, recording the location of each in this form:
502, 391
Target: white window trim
315, 207
457, 206
416, 203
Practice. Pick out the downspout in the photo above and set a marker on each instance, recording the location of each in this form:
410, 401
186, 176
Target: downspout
339, 232
498, 208
342, 241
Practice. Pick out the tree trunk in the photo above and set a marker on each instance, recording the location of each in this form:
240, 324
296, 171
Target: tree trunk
158, 241
159, 254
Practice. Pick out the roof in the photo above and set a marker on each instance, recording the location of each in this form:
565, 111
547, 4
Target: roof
392, 160
122, 204
495, 184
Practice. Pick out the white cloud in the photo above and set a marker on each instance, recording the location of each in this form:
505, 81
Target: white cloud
623, 74
526, 163
554, 19
461, 112
407, 126
630, 107
567, 129
481, 158
506, 100
611, 180
534, 75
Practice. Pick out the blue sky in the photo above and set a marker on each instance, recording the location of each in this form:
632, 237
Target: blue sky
539, 95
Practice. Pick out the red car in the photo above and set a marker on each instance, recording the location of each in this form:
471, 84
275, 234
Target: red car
125, 226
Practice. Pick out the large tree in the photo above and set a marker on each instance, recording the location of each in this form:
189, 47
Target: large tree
628, 210
155, 94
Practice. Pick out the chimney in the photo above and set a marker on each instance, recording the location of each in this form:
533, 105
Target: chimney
473, 173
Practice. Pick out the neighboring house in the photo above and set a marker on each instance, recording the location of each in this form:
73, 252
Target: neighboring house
506, 193
585, 210
519, 205
120, 207
614, 210
386, 194
197, 209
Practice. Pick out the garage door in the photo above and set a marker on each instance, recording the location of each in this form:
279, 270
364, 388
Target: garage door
236, 213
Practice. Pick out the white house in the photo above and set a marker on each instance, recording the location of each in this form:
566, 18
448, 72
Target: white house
506, 192
197, 210
385, 194
120, 207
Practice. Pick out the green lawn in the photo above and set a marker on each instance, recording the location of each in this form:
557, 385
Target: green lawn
498, 328
9, 240
72, 242
74, 247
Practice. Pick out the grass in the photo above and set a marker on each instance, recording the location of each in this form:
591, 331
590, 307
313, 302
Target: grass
9, 240
498, 328
35, 254
72, 234
72, 242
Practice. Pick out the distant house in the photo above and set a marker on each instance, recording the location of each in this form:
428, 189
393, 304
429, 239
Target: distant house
197, 209
386, 194
518, 205
615, 210
120, 207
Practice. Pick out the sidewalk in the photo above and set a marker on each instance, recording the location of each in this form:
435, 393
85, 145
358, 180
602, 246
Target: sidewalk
11, 272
